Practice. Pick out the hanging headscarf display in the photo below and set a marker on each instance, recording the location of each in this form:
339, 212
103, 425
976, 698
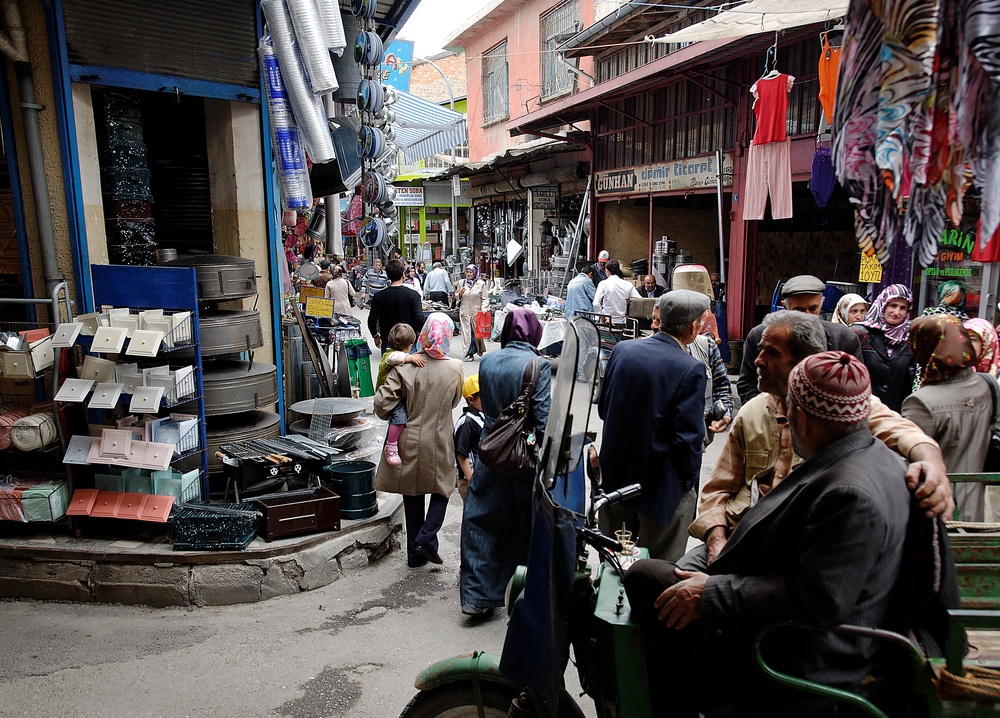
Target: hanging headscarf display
435, 336
941, 346
875, 318
951, 300
988, 361
917, 119
840, 314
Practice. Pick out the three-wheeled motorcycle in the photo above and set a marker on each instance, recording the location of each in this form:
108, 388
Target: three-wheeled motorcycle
559, 600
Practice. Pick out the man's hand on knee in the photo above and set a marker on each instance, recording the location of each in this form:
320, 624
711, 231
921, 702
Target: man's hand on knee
681, 603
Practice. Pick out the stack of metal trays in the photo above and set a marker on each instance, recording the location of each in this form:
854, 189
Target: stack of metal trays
234, 429
238, 386
221, 277
228, 331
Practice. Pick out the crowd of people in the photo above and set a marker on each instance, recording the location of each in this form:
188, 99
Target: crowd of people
843, 425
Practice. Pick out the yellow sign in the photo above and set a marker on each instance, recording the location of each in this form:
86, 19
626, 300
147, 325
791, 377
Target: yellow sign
871, 269
319, 307
306, 292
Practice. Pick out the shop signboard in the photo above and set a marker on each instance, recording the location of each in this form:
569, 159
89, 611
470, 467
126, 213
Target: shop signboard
409, 197
690, 173
544, 198
319, 307
871, 269
396, 65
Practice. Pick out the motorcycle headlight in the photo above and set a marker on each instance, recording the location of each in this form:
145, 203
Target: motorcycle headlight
514, 588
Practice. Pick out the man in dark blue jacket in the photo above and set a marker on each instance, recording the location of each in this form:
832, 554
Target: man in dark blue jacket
653, 407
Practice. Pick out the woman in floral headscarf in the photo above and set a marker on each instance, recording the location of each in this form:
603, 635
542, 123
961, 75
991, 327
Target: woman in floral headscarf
473, 297
496, 521
986, 346
953, 405
884, 347
426, 446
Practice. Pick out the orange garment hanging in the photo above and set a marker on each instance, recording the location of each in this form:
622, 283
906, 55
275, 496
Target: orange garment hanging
829, 71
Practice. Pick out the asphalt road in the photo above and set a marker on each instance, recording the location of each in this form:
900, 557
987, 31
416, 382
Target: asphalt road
351, 648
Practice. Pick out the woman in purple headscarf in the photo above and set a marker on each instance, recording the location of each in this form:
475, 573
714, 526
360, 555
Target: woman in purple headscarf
884, 334
496, 522
473, 297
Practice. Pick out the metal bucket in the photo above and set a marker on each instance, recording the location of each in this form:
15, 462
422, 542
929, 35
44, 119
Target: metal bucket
165, 255
352, 480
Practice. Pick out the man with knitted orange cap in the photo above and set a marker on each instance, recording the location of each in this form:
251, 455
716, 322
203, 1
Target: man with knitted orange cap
822, 548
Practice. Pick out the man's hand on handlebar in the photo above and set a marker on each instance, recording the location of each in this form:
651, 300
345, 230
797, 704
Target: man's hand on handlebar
681, 603
715, 540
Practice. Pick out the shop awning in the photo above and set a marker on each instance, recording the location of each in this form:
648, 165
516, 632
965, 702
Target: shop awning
759, 16
424, 129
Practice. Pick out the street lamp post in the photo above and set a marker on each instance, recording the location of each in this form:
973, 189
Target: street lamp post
454, 204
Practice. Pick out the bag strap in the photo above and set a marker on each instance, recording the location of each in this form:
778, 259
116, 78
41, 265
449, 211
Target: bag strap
993, 394
531, 373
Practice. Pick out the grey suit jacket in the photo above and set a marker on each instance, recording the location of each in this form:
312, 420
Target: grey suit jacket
823, 548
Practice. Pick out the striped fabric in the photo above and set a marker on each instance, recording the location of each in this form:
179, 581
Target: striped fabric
424, 129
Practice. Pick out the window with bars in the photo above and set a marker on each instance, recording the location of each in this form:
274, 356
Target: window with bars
496, 96
684, 119
555, 27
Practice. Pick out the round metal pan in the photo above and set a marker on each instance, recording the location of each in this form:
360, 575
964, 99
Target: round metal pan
221, 277
238, 386
342, 408
228, 332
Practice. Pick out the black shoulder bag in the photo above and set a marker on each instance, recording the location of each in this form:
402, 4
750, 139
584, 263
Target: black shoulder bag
510, 446
992, 463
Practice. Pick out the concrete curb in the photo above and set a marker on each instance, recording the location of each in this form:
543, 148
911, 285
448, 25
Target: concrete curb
179, 578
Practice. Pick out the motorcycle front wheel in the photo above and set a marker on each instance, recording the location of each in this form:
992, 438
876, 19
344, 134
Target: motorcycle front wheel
457, 700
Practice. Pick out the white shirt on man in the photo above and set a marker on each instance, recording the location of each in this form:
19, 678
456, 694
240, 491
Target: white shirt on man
612, 297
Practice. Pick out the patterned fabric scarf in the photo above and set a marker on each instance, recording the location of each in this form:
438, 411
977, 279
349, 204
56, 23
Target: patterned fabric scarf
844, 306
941, 346
989, 358
435, 336
470, 283
875, 318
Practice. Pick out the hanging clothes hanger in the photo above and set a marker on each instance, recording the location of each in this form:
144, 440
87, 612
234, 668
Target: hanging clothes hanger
771, 61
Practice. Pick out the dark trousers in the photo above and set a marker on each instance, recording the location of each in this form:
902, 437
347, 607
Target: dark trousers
422, 524
438, 297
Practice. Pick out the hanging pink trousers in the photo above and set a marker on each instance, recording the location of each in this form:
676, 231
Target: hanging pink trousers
769, 170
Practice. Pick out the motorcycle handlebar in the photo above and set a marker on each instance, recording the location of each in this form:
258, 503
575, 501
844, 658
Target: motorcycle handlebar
615, 497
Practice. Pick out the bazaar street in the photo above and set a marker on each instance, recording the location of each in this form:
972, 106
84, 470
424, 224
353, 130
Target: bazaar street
352, 648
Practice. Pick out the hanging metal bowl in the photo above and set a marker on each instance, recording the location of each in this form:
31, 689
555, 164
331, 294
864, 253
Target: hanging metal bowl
373, 232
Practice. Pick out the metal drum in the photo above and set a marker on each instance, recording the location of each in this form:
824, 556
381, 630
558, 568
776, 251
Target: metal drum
237, 428
221, 277
228, 332
238, 386
352, 480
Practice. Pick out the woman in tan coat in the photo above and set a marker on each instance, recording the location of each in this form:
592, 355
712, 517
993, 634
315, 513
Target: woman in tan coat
426, 446
340, 291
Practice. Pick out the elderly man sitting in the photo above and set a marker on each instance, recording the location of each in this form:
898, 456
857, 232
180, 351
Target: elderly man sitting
823, 547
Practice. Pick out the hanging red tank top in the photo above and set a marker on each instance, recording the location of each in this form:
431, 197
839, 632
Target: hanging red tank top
771, 108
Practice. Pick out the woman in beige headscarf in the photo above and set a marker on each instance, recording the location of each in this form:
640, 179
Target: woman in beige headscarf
851, 309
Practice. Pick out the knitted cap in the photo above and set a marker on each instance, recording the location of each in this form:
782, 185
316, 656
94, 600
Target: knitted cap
834, 386
470, 386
